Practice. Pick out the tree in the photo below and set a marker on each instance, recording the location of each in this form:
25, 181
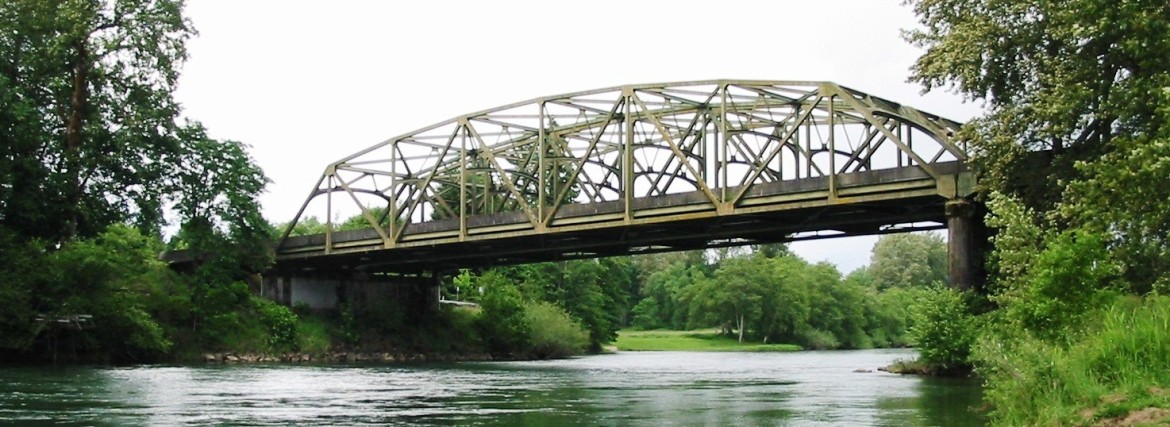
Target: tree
215, 191
771, 250
733, 297
1066, 76
943, 330
1123, 196
789, 299
908, 259
91, 141
1083, 79
112, 277
583, 296
660, 306
837, 308
92, 133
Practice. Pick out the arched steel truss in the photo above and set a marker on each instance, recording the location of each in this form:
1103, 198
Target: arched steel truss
633, 154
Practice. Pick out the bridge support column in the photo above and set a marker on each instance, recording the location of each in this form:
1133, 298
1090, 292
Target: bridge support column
966, 240
430, 292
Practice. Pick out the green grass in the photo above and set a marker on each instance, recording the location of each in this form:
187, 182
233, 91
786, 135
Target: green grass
700, 340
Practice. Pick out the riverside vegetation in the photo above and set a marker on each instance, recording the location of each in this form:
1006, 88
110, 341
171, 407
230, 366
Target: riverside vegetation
1071, 328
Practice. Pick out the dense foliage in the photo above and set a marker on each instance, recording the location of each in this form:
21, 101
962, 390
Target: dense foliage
943, 330
93, 152
768, 295
1074, 151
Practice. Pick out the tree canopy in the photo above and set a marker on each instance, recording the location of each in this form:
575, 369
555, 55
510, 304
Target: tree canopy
909, 259
1087, 80
96, 160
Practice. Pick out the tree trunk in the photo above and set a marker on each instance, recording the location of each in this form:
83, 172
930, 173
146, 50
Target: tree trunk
741, 328
78, 101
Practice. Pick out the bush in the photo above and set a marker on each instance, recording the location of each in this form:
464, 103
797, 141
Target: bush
1068, 279
943, 330
463, 335
143, 337
279, 322
229, 331
503, 324
384, 318
553, 333
816, 339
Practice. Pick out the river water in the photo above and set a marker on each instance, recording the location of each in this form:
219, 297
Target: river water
643, 388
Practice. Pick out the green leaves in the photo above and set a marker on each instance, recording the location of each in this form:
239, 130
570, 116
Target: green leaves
215, 190
777, 297
280, 322
503, 323
1070, 277
908, 260
116, 278
1078, 224
943, 330
1085, 80
94, 79
554, 333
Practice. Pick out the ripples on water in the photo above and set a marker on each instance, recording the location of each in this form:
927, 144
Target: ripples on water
651, 388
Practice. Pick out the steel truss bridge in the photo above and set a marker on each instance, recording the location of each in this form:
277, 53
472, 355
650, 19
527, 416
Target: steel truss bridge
635, 169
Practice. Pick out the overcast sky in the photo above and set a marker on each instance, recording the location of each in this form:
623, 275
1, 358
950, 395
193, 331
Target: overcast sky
307, 83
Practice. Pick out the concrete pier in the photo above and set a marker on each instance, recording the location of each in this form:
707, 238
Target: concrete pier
966, 241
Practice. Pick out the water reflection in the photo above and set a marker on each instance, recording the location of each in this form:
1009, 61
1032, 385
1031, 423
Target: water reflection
623, 389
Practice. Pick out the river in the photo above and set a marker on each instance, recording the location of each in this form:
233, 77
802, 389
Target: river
643, 388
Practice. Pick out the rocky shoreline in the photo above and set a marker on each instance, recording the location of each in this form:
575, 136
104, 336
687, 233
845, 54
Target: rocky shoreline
343, 357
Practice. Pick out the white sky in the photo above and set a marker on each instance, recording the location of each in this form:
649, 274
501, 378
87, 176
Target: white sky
306, 83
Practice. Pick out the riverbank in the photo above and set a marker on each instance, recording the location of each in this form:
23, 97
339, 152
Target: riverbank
697, 340
917, 367
346, 357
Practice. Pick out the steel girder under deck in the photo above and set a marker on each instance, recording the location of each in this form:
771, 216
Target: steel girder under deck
637, 168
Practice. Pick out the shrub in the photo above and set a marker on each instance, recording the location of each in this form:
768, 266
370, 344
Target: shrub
553, 333
1069, 278
816, 339
386, 317
943, 330
461, 322
279, 322
502, 324
347, 327
143, 335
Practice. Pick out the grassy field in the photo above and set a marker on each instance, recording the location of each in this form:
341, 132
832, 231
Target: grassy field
699, 340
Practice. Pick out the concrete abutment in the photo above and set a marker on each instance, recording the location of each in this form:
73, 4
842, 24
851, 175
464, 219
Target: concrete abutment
330, 290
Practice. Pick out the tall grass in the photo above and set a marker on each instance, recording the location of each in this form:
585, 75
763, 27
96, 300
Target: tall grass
313, 336
1120, 365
